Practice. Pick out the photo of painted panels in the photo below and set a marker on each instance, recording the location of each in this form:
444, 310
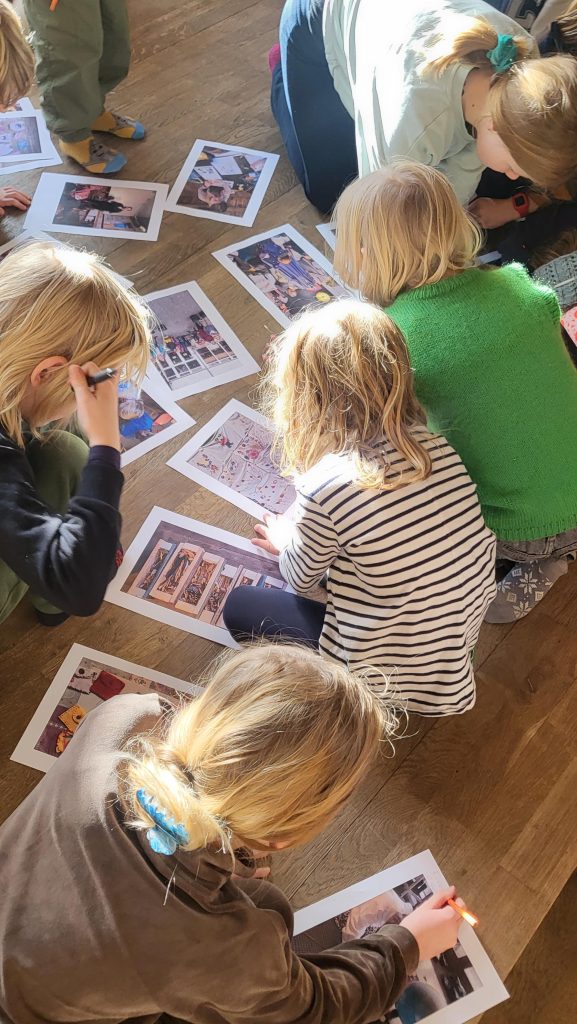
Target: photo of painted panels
283, 271
180, 571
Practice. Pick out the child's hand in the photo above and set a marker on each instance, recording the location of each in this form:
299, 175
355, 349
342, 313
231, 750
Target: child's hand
97, 408
12, 197
274, 535
492, 213
434, 925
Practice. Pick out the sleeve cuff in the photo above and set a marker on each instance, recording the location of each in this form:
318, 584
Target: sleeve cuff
406, 942
103, 453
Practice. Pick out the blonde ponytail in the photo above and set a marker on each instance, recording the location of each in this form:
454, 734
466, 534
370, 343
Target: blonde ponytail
276, 742
16, 57
469, 40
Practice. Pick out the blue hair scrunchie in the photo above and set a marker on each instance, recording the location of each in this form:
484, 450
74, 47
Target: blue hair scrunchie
166, 835
504, 54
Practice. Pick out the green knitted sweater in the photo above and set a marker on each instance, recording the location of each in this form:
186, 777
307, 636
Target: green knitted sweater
493, 375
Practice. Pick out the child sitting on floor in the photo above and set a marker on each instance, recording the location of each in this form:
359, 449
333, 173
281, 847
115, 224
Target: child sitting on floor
490, 365
132, 851
385, 509
16, 76
82, 54
62, 315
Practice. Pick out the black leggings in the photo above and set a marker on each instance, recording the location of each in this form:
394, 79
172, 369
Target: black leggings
252, 612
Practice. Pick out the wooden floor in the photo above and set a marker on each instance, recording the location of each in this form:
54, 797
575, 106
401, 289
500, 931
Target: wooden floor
493, 794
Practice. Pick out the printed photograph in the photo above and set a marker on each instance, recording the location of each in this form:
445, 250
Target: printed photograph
85, 680
180, 571
146, 420
225, 183
435, 984
284, 273
231, 455
19, 138
91, 206
193, 348
328, 231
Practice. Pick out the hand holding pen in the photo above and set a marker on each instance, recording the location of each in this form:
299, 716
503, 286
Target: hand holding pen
96, 393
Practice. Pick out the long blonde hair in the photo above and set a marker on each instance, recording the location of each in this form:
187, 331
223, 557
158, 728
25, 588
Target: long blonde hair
55, 300
399, 228
16, 57
277, 741
533, 104
340, 382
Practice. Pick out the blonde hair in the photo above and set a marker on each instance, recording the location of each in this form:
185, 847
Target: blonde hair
16, 57
533, 105
340, 381
277, 741
55, 300
399, 228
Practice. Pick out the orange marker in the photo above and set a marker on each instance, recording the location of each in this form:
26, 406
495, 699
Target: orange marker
465, 914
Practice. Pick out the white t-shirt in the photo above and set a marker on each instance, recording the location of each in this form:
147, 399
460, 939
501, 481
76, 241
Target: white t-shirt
375, 51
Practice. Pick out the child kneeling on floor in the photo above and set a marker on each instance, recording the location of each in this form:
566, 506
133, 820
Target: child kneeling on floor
62, 315
132, 850
386, 511
490, 365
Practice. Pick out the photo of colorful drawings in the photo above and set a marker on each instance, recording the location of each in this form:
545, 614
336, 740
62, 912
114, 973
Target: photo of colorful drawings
221, 182
231, 455
449, 989
193, 347
283, 271
147, 418
83, 682
180, 571
90, 206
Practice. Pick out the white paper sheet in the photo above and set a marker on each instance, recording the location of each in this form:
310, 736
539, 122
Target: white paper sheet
77, 688
149, 430
283, 272
459, 985
231, 456
194, 348
60, 204
216, 175
328, 233
179, 571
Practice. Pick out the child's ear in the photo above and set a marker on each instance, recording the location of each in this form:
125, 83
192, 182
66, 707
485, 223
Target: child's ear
43, 369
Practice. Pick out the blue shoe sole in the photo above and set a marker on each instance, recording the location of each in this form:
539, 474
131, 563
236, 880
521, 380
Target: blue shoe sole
114, 165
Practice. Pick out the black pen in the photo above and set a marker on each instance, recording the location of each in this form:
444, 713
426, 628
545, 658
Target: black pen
100, 377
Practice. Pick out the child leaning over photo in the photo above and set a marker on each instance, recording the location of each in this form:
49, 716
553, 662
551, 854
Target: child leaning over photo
386, 511
63, 314
490, 365
138, 846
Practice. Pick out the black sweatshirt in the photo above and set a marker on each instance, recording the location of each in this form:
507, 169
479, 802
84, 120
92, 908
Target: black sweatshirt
66, 559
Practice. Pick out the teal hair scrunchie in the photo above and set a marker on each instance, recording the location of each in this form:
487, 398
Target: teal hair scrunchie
504, 55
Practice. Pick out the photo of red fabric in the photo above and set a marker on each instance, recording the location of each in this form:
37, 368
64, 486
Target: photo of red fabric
106, 685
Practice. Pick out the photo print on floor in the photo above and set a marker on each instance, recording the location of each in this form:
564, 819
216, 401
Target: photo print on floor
283, 271
231, 456
193, 348
180, 571
83, 682
102, 208
449, 989
220, 182
147, 417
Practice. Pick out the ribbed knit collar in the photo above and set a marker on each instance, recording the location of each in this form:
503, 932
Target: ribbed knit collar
449, 284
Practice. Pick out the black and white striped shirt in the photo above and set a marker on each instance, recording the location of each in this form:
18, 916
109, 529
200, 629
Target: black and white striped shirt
410, 574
